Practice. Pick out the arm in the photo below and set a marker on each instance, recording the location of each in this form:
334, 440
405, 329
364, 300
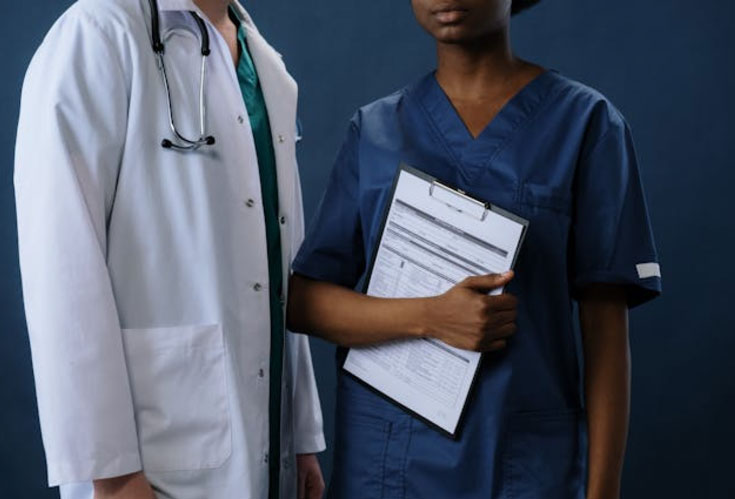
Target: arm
465, 316
604, 320
308, 435
310, 479
134, 486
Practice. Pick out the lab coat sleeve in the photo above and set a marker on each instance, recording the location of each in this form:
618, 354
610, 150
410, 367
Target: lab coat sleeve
307, 413
70, 139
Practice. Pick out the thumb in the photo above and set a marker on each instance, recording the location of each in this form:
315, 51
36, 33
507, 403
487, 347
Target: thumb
487, 282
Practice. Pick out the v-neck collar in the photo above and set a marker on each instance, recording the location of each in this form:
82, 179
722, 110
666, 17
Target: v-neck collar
470, 152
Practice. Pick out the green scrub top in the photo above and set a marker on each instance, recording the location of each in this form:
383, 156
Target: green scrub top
252, 94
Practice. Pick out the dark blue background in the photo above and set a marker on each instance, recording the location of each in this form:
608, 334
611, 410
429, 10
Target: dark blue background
667, 64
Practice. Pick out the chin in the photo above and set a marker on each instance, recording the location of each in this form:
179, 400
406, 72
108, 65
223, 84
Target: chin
452, 35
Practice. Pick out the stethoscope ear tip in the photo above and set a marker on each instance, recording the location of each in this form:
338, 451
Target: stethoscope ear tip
210, 141
166, 144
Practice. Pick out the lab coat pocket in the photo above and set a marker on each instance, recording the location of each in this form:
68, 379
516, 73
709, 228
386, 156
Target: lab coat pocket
544, 455
178, 382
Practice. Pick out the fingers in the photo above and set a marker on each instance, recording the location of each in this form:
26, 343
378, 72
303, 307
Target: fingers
310, 480
315, 487
302, 484
501, 303
496, 338
497, 345
502, 318
493, 339
487, 282
500, 338
505, 331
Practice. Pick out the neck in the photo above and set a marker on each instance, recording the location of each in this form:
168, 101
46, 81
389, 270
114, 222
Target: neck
470, 69
215, 10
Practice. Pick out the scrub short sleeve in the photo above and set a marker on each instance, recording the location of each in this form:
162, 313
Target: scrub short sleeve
612, 240
333, 248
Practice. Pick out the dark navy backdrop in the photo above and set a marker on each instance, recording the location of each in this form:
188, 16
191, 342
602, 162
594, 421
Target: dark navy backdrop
667, 64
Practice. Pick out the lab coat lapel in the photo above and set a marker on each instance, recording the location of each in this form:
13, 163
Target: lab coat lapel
281, 95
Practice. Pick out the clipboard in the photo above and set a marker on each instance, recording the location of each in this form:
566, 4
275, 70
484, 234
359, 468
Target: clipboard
403, 237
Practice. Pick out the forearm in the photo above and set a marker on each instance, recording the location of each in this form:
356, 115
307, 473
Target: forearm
133, 486
348, 318
604, 323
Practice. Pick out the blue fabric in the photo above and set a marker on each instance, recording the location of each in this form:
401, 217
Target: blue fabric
558, 154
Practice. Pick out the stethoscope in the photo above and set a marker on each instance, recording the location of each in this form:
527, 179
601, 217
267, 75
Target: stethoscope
179, 142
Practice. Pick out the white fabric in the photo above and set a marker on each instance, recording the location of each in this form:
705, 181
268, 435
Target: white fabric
144, 270
646, 270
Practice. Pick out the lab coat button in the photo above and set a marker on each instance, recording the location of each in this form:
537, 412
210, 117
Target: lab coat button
257, 286
283, 220
281, 139
249, 203
261, 373
240, 119
265, 459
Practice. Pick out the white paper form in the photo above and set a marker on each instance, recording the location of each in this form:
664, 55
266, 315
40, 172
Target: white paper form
432, 239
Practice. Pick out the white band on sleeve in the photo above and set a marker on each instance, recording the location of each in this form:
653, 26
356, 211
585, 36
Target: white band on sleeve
646, 270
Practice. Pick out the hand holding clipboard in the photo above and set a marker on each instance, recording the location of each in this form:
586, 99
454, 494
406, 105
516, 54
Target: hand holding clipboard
433, 238
472, 320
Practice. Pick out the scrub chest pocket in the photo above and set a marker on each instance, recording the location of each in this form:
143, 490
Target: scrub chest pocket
177, 378
541, 196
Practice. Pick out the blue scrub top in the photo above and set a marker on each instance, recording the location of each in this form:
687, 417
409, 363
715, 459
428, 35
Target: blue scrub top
558, 154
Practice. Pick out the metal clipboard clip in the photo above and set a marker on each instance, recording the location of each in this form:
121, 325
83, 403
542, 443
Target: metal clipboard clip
458, 200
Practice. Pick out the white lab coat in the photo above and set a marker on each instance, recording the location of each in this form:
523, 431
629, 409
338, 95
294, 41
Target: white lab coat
144, 270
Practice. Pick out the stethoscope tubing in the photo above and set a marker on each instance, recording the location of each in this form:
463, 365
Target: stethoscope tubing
180, 142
